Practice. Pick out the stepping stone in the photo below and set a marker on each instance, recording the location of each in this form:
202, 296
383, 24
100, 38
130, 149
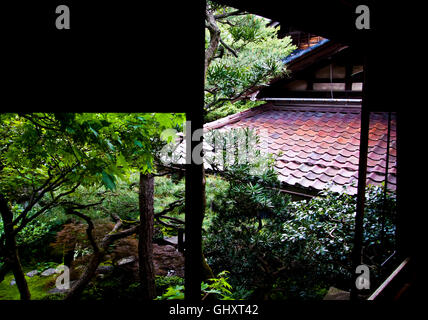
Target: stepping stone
32, 273
173, 240
13, 282
105, 269
49, 272
126, 260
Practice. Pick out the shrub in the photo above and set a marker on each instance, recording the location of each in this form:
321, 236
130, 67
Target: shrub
279, 249
163, 282
73, 238
33, 240
219, 287
323, 231
245, 233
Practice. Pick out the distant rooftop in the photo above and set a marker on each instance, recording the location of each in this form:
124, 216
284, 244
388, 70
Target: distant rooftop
300, 52
319, 144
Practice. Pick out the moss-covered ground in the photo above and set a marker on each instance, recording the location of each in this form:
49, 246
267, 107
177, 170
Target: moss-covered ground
38, 286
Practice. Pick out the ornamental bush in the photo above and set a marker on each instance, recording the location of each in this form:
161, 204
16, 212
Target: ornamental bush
278, 249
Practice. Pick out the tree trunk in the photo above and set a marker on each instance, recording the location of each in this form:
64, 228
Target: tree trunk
214, 31
97, 256
145, 240
69, 257
11, 250
89, 273
99, 251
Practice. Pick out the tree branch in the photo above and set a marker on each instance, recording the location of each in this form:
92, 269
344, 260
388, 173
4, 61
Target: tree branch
75, 206
89, 229
228, 48
97, 257
37, 124
51, 204
229, 14
214, 38
176, 220
170, 207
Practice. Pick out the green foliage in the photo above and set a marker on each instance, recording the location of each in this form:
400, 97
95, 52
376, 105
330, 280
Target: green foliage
256, 58
279, 249
43, 265
218, 286
117, 286
38, 286
163, 282
33, 240
323, 229
173, 293
231, 108
90, 148
247, 226
45, 157
33, 232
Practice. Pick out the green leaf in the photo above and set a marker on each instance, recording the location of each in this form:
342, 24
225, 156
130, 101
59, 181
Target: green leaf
108, 180
70, 130
93, 131
138, 143
164, 119
77, 153
109, 144
121, 161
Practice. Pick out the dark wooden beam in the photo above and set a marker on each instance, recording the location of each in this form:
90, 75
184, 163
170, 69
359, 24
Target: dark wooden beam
348, 73
194, 188
334, 19
362, 173
328, 80
281, 93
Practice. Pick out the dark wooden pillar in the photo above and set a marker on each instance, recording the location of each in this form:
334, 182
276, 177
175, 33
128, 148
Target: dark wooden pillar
193, 217
362, 173
194, 176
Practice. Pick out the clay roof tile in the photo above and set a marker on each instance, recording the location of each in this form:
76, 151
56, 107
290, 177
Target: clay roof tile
319, 147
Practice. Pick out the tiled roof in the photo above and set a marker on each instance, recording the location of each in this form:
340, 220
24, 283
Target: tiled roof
319, 145
300, 52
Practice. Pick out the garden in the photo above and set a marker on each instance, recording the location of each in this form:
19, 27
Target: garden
90, 211
81, 201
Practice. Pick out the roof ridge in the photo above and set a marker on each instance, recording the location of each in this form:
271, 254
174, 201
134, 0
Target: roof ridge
237, 116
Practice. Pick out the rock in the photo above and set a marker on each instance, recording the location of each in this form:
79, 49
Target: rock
48, 272
336, 294
32, 273
173, 240
128, 268
13, 282
168, 261
105, 269
126, 260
